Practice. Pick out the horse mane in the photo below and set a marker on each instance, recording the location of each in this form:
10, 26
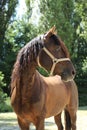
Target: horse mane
58, 41
30, 51
25, 56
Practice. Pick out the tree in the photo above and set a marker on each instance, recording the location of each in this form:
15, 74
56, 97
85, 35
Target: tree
59, 13
16, 33
7, 10
2, 84
80, 47
80, 37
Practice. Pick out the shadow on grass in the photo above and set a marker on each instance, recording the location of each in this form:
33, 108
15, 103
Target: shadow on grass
83, 108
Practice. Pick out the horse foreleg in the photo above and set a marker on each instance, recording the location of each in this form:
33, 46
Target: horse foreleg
23, 124
70, 119
73, 119
67, 120
40, 124
58, 121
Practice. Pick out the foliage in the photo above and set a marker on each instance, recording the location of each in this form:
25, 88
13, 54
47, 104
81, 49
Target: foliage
80, 45
81, 11
1, 80
4, 101
43, 72
58, 13
7, 10
6, 106
2, 84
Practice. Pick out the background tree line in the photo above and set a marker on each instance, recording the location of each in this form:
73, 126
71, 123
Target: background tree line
70, 19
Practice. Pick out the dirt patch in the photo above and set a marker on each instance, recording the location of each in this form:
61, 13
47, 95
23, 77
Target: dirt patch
8, 121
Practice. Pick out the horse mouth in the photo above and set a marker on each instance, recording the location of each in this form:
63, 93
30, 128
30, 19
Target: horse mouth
67, 78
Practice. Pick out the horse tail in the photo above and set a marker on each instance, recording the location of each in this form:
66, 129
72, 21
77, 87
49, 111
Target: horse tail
67, 119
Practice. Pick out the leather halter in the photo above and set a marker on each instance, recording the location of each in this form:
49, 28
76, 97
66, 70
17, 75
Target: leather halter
55, 60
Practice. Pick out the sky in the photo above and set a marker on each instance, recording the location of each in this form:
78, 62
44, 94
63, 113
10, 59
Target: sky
21, 9
36, 12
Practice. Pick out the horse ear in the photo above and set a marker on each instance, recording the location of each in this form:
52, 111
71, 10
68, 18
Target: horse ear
50, 32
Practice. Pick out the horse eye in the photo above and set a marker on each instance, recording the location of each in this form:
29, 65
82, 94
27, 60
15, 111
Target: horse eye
58, 48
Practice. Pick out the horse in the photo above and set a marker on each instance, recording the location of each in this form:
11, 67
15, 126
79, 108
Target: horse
35, 97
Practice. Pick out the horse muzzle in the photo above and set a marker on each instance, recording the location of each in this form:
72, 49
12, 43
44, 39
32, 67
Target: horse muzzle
68, 75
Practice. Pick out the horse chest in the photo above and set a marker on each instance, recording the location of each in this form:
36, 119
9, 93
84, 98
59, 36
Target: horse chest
56, 100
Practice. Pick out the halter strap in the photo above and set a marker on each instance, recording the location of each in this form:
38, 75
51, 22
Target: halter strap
55, 60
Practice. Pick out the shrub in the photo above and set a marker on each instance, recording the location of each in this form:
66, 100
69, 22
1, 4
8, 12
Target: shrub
5, 106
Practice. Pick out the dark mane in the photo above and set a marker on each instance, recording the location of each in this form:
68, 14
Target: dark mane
30, 51
27, 54
58, 41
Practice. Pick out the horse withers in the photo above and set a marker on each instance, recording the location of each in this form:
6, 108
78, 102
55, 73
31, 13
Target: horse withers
35, 97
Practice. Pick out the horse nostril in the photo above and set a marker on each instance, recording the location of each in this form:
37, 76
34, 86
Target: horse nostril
73, 72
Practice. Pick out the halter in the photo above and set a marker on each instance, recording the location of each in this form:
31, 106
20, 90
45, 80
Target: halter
55, 60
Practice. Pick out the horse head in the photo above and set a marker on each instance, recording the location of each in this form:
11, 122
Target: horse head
54, 57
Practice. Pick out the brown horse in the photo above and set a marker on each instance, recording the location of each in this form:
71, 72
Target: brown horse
35, 97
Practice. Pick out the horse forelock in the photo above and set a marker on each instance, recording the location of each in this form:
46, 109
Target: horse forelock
58, 41
64, 48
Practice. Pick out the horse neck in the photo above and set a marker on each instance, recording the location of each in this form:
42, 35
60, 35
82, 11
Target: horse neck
28, 63
30, 88
27, 77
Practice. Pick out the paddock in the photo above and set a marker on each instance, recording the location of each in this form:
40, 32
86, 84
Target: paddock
8, 121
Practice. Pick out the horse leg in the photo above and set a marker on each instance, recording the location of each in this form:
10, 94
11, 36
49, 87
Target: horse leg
40, 124
67, 120
58, 121
23, 124
73, 118
70, 119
